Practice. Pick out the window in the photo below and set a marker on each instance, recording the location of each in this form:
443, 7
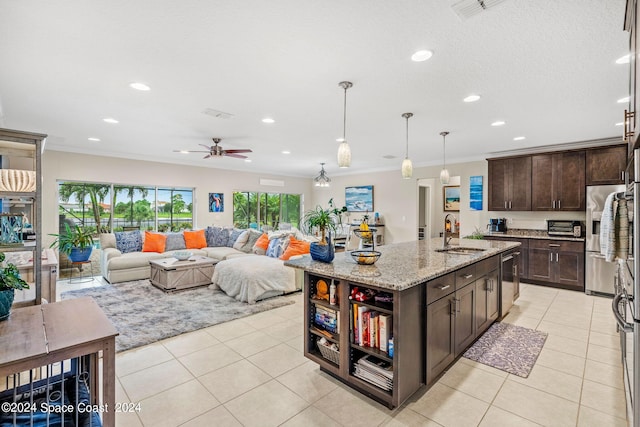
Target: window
116, 207
265, 210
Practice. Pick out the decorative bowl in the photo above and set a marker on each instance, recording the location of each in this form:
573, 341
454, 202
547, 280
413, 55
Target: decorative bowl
182, 255
365, 234
365, 257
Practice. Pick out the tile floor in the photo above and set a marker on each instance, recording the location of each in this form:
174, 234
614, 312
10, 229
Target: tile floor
251, 372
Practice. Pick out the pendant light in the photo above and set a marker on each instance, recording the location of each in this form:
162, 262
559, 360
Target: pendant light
344, 151
407, 167
444, 173
322, 180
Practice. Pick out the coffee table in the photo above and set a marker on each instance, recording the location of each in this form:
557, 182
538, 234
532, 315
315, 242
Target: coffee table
172, 275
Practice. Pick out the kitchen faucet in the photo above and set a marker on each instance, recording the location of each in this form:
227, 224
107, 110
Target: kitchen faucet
447, 235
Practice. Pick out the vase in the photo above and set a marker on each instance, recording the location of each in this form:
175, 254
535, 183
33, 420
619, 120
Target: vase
80, 254
6, 299
323, 253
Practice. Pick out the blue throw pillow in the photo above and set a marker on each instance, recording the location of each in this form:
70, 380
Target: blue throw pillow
276, 248
233, 236
216, 236
128, 241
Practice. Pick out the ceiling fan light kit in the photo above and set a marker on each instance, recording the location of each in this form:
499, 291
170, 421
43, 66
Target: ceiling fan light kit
344, 151
217, 151
407, 166
444, 173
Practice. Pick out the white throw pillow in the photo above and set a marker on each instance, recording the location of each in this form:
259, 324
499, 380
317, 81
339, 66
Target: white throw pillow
242, 239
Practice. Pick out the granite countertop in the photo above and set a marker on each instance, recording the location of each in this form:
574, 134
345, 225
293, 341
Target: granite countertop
403, 265
533, 234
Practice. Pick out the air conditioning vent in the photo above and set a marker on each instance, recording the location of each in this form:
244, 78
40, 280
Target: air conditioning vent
218, 114
466, 9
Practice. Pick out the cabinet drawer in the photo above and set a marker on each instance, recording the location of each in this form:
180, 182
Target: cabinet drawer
486, 265
465, 275
440, 287
557, 245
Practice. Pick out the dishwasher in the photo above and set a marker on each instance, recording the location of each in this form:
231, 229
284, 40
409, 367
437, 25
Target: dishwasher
510, 278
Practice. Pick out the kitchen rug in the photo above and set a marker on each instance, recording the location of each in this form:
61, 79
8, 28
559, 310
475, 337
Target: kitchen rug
508, 347
144, 314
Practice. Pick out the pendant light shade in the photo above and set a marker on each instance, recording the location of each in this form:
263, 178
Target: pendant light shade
322, 180
407, 166
444, 173
344, 151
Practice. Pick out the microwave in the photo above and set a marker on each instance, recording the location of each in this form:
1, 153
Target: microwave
564, 228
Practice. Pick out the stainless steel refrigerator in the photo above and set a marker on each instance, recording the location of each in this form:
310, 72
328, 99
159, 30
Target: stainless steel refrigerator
598, 273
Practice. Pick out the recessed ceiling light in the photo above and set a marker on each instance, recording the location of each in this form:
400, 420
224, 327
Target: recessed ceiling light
472, 98
340, 139
624, 59
623, 100
286, 152
619, 123
498, 123
268, 120
139, 86
519, 138
110, 120
247, 160
94, 139
421, 55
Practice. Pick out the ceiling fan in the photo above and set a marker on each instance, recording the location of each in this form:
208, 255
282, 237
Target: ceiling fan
217, 151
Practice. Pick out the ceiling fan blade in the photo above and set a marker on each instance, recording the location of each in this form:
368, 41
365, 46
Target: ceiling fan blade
243, 150
208, 147
207, 156
237, 156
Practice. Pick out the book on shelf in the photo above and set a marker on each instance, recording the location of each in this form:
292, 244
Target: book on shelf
366, 332
327, 319
373, 329
354, 325
361, 311
384, 331
375, 371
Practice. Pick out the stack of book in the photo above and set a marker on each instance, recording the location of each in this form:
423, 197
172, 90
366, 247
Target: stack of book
371, 328
327, 319
375, 371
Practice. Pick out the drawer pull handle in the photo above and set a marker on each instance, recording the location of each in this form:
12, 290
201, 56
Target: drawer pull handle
443, 287
467, 276
554, 245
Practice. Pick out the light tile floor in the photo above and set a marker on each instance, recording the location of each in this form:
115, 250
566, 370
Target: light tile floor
251, 372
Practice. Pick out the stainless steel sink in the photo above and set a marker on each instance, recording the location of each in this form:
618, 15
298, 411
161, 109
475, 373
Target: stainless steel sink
460, 250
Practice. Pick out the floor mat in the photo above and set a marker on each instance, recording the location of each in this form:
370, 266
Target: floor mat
508, 347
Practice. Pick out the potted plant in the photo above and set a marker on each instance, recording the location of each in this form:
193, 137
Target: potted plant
76, 243
9, 281
325, 221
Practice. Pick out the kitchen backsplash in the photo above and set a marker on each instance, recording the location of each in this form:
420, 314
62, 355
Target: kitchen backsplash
535, 220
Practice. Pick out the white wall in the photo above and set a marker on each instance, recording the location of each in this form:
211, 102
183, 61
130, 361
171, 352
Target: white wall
57, 165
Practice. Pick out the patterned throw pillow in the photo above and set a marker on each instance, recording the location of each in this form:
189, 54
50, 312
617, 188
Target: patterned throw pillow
128, 241
175, 241
277, 246
252, 238
233, 236
217, 236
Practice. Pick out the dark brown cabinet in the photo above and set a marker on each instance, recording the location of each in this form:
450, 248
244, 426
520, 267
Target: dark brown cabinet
606, 165
510, 184
440, 333
557, 181
523, 258
557, 262
487, 301
465, 318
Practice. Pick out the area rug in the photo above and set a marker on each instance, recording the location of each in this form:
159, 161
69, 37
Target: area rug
507, 347
144, 314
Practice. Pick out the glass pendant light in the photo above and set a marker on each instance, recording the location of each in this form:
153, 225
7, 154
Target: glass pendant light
344, 151
322, 180
407, 166
444, 173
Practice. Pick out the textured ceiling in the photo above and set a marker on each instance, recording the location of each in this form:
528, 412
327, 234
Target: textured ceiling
545, 67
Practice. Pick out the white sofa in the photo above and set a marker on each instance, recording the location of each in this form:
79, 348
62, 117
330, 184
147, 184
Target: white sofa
117, 266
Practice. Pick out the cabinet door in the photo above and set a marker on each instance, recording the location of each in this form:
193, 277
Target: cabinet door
498, 184
520, 184
569, 270
540, 263
569, 181
483, 286
542, 195
440, 348
606, 165
493, 297
465, 318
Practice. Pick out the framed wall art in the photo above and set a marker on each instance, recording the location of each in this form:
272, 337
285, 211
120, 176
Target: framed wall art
475, 193
216, 202
359, 199
451, 198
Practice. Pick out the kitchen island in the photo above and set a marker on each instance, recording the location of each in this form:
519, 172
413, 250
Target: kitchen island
410, 315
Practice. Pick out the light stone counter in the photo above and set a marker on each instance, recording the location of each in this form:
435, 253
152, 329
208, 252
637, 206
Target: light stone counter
532, 234
403, 265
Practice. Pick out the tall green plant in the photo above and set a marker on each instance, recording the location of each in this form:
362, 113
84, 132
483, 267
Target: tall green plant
76, 237
322, 219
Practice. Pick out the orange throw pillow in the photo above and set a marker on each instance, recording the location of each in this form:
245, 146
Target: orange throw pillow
195, 239
296, 247
262, 242
154, 242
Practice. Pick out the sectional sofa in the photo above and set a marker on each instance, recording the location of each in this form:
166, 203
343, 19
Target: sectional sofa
245, 258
